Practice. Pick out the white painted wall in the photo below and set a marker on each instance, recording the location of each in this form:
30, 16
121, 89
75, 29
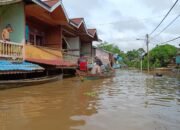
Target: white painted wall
74, 43
104, 56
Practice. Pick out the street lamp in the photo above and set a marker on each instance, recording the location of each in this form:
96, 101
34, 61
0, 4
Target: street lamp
138, 39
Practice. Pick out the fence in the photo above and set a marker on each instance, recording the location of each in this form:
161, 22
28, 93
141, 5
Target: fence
70, 56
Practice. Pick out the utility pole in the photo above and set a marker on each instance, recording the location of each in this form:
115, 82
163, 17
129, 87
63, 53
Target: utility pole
147, 44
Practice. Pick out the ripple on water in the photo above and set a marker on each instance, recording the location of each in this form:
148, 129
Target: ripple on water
129, 101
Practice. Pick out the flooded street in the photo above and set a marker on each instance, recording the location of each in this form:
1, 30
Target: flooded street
129, 101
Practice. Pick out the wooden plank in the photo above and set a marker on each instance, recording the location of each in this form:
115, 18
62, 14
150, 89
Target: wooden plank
42, 53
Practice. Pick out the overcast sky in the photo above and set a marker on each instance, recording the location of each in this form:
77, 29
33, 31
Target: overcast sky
122, 21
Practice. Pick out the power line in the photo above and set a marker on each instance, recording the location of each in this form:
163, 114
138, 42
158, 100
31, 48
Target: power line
170, 40
167, 26
127, 21
164, 17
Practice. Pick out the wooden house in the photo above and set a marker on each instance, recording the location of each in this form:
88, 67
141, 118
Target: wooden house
43, 34
77, 39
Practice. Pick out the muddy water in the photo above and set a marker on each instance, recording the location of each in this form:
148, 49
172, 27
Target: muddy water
129, 101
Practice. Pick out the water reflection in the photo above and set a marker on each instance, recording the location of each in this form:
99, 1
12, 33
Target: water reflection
47, 106
129, 101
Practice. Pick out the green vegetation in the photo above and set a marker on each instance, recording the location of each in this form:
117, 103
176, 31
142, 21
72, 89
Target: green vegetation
160, 56
111, 48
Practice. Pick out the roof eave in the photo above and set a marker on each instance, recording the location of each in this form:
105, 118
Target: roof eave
51, 9
9, 2
42, 4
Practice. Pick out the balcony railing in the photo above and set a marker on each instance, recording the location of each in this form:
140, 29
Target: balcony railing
11, 50
70, 58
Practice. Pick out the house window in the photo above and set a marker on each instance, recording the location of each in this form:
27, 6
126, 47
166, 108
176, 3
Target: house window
27, 33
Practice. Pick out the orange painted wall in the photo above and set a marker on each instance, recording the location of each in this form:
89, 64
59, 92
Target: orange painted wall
33, 52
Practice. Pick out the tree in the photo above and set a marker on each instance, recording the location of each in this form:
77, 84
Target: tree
112, 48
162, 55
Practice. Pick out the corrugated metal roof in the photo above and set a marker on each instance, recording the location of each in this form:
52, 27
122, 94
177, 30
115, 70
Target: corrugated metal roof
24, 66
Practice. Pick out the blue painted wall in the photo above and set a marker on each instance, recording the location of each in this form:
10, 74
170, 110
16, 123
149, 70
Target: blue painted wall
178, 59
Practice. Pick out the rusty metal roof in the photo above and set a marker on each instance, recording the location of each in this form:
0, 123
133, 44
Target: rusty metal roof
54, 62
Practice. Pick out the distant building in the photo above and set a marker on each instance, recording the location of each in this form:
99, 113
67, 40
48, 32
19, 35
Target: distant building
105, 56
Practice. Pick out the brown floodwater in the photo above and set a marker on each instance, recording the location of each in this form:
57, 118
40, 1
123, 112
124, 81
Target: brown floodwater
129, 101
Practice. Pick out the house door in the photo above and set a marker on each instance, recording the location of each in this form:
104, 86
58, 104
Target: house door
39, 40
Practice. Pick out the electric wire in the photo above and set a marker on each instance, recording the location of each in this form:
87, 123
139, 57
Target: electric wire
164, 18
167, 26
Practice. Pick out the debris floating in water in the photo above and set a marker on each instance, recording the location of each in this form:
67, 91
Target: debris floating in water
90, 94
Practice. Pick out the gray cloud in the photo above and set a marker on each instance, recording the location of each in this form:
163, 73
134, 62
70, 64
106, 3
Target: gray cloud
132, 24
117, 19
81, 8
157, 5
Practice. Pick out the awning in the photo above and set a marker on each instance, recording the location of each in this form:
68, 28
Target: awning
15, 66
54, 62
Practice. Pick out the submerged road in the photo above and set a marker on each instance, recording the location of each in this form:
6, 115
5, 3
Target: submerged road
129, 101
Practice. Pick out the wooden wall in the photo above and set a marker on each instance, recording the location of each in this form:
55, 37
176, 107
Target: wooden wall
52, 35
86, 49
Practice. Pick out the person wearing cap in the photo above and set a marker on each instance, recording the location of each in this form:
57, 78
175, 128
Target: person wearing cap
6, 33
